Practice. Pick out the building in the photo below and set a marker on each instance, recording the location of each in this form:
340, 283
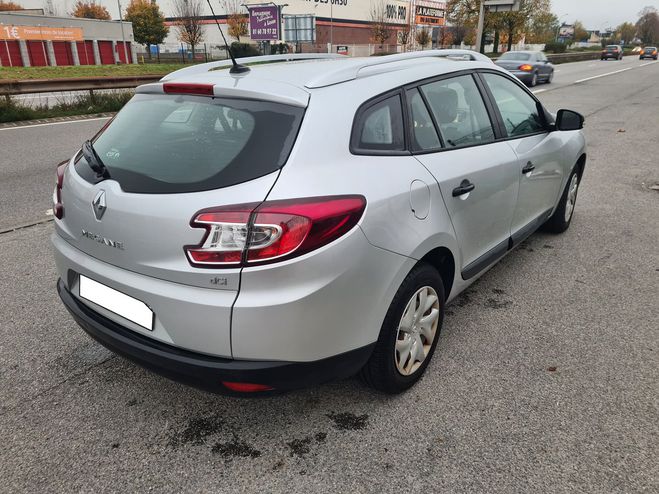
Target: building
336, 23
37, 40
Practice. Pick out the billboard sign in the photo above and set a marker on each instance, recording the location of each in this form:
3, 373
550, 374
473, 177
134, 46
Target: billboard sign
39, 33
300, 28
264, 23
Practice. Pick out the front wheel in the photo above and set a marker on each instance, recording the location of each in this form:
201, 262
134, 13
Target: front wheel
562, 217
409, 333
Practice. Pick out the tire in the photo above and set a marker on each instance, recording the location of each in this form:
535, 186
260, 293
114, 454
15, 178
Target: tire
534, 80
550, 78
562, 217
382, 369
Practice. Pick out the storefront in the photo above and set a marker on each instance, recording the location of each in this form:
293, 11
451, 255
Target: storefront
37, 40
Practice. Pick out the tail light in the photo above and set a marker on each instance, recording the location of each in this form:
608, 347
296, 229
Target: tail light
58, 207
254, 234
654, 52
642, 52
526, 67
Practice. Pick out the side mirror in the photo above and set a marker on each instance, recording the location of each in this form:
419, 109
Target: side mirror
569, 120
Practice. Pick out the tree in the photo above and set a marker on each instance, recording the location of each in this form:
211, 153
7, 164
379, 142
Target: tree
627, 32
648, 25
580, 33
236, 20
380, 28
462, 15
543, 28
404, 37
90, 10
148, 23
423, 37
4, 6
188, 22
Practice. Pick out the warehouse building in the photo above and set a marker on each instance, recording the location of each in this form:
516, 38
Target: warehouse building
37, 40
326, 23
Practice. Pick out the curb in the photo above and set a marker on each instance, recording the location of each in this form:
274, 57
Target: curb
72, 118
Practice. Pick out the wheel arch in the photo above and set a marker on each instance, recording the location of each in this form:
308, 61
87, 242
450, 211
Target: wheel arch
581, 165
442, 259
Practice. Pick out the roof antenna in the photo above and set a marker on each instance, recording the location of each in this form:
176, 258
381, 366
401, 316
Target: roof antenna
237, 68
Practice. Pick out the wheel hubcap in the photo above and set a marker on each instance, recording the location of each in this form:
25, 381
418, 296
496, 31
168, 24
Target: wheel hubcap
417, 330
571, 198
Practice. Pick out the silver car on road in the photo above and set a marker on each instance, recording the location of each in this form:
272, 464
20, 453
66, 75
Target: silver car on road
306, 220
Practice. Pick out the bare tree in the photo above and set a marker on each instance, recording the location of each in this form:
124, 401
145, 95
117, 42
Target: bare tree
381, 30
237, 19
188, 22
423, 38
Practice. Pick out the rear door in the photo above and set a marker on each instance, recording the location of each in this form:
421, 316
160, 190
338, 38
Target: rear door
538, 152
477, 176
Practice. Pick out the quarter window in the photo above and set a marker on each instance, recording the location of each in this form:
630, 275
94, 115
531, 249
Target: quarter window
380, 127
459, 111
519, 111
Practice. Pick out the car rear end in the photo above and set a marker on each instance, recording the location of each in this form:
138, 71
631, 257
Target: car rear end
173, 256
612, 51
520, 64
649, 52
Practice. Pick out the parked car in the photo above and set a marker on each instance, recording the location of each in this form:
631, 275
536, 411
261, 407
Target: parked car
612, 51
648, 52
265, 231
530, 67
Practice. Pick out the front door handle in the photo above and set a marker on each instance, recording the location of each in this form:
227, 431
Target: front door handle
465, 187
528, 168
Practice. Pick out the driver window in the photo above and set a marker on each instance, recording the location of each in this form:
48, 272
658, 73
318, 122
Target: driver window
519, 111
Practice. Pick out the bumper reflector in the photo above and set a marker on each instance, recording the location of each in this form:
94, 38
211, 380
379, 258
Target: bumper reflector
246, 387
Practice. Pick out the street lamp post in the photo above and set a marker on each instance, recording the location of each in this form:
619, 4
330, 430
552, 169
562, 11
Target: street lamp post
123, 38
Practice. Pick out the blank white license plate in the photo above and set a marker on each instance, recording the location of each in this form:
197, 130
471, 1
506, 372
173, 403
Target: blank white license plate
121, 304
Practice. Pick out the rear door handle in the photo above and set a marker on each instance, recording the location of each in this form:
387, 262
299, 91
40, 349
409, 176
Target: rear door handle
528, 168
465, 187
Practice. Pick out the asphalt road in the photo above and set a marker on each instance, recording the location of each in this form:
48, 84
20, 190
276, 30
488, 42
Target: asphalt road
545, 379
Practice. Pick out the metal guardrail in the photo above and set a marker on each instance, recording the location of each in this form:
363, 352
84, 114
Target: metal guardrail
29, 86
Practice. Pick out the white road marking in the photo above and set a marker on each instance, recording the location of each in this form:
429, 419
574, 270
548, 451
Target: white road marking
538, 91
49, 212
56, 123
602, 75
649, 63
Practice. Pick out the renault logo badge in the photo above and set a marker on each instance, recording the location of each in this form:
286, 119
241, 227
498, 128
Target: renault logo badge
98, 204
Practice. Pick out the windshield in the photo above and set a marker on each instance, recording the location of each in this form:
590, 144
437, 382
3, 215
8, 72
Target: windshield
511, 55
171, 144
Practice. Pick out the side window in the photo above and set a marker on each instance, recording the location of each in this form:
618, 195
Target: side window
423, 128
519, 111
459, 111
380, 127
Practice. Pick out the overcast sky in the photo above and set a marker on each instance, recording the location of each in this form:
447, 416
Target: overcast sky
595, 14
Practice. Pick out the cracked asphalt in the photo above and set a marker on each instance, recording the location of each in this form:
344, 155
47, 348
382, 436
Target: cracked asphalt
545, 379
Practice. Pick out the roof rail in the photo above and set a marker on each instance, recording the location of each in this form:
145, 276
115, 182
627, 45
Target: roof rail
207, 67
351, 70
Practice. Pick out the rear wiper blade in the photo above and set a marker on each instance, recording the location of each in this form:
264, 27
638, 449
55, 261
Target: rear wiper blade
93, 160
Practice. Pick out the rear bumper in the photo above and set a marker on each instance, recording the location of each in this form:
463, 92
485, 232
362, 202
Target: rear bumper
206, 372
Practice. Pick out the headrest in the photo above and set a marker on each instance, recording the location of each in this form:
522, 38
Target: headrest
445, 103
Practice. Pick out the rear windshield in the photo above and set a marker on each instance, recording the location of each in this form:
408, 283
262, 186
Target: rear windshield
611, 47
649, 48
172, 144
515, 56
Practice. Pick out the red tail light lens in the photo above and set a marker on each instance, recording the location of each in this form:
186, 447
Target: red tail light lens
526, 67
58, 207
180, 88
276, 230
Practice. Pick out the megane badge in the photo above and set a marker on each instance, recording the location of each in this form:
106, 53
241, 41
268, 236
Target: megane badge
98, 204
